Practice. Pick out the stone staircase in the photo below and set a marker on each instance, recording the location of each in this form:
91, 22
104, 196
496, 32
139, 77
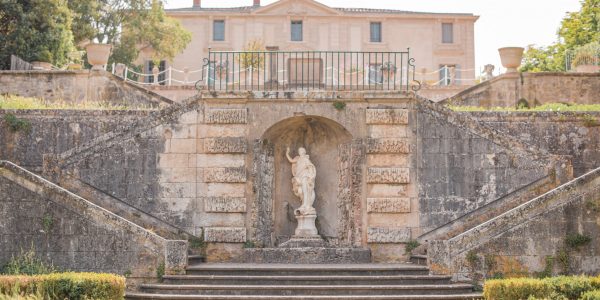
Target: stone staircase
304, 281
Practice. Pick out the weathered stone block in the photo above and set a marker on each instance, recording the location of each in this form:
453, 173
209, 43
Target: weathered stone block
226, 116
387, 116
388, 175
388, 235
233, 175
225, 145
225, 234
224, 204
388, 145
388, 205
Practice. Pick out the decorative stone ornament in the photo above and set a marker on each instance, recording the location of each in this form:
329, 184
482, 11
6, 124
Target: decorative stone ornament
511, 58
97, 55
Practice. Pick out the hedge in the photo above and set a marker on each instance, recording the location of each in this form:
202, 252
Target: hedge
72, 286
591, 295
562, 287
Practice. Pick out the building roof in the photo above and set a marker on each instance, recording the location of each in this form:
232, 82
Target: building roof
248, 9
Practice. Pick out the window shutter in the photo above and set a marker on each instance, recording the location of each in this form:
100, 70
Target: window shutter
447, 33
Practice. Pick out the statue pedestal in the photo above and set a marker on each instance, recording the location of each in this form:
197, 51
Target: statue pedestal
306, 225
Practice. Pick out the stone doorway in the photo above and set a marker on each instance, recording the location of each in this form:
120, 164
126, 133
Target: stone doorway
338, 159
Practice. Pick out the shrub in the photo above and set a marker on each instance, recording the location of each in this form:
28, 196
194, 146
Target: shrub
26, 263
15, 124
591, 295
577, 240
73, 286
410, 246
339, 105
562, 287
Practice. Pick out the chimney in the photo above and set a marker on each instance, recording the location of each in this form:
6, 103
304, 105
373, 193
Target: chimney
256, 2
196, 3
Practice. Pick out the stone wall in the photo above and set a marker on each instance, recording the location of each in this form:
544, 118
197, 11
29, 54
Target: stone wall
464, 165
521, 241
78, 87
575, 135
73, 234
56, 131
535, 88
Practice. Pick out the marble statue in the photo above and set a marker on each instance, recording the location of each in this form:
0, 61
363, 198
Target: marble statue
303, 180
303, 186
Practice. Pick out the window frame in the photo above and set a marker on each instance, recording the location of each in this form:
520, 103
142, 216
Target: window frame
297, 22
371, 37
214, 35
451, 26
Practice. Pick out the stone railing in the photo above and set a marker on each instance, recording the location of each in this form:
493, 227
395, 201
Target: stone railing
141, 252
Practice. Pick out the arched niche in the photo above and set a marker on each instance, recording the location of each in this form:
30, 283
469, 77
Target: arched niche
323, 139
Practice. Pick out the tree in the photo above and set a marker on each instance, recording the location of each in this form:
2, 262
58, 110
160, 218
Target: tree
577, 29
35, 30
130, 25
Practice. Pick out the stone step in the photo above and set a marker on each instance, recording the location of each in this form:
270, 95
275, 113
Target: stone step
196, 259
307, 269
418, 259
308, 290
144, 296
305, 280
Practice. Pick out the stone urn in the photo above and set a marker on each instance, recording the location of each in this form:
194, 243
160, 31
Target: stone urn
511, 58
97, 55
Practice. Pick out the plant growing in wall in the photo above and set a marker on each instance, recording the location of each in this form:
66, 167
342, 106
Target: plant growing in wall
15, 124
339, 105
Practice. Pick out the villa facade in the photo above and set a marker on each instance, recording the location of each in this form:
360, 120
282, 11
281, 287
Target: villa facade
435, 40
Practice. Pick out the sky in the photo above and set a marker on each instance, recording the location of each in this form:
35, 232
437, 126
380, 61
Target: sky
501, 23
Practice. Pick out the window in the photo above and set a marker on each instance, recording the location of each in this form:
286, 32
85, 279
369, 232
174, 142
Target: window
447, 33
218, 30
296, 31
375, 32
449, 74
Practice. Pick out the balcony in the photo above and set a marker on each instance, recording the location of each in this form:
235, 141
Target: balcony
307, 70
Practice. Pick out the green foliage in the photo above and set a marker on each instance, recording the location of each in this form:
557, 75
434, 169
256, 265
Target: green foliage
547, 272
522, 104
26, 263
591, 295
151, 27
196, 242
589, 121
564, 259
35, 30
543, 59
127, 273
577, 240
15, 124
249, 245
586, 54
339, 105
472, 258
47, 223
411, 245
581, 27
17, 102
160, 271
252, 60
563, 287
576, 29
73, 286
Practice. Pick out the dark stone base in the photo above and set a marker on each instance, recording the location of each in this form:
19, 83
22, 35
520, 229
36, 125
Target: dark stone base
304, 242
309, 255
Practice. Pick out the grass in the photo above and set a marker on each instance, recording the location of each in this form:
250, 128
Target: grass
18, 102
550, 107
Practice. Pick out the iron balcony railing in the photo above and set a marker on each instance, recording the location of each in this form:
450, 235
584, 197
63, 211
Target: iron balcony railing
308, 70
